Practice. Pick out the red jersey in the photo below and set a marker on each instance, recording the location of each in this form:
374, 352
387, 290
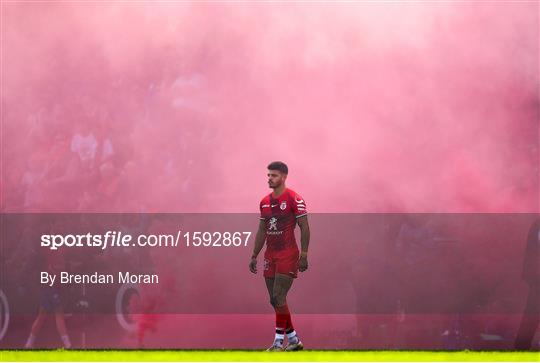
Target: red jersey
280, 216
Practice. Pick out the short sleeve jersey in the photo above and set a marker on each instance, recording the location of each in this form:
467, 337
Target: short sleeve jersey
280, 216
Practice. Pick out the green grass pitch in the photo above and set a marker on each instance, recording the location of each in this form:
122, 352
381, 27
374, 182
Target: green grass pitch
261, 356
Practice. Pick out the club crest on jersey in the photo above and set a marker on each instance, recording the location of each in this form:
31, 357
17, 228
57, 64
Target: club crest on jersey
273, 224
283, 205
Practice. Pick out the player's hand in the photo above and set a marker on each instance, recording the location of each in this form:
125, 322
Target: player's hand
253, 265
302, 264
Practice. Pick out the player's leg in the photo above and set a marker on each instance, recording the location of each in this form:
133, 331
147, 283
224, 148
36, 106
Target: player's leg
269, 279
282, 285
36, 327
270, 287
61, 328
277, 290
286, 272
530, 319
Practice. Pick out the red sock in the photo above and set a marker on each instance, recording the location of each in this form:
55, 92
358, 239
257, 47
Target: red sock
283, 317
289, 323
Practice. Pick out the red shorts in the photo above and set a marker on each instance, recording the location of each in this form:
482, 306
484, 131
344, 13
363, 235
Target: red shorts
282, 262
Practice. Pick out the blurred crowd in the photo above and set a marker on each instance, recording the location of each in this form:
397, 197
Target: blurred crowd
105, 141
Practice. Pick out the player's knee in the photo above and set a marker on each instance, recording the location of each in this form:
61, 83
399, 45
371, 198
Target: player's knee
273, 302
279, 300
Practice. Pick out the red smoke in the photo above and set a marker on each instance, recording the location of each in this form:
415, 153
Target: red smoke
375, 107
179, 107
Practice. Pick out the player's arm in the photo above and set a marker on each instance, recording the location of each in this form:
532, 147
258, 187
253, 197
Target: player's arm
259, 243
304, 242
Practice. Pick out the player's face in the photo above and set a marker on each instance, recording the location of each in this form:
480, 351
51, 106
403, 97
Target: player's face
275, 178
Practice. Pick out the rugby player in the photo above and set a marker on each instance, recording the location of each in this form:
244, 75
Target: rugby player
51, 301
280, 211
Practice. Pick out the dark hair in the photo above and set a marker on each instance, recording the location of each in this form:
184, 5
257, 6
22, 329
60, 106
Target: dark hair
280, 166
